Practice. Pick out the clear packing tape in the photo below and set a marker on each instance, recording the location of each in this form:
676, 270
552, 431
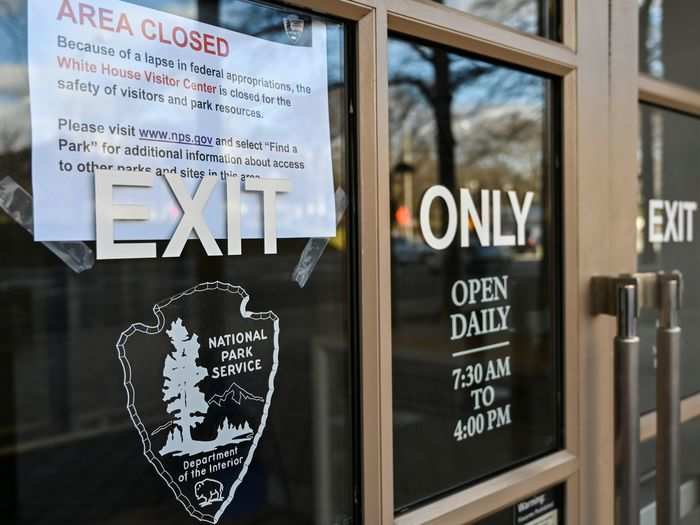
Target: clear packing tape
18, 204
315, 247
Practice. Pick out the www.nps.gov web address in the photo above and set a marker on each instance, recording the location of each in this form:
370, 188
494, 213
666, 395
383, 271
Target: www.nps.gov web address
189, 139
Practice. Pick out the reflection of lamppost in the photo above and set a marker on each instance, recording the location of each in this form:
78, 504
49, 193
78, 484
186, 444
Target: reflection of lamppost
401, 182
404, 173
208, 11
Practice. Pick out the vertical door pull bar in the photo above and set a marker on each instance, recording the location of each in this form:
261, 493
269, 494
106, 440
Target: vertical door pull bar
623, 297
668, 395
627, 404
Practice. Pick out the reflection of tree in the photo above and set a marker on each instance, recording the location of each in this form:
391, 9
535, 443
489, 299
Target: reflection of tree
531, 16
645, 117
9, 138
644, 12
438, 91
481, 123
13, 27
208, 11
439, 95
502, 11
14, 154
258, 22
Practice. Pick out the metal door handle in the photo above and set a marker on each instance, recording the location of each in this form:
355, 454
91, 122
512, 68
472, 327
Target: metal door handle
668, 400
627, 405
622, 297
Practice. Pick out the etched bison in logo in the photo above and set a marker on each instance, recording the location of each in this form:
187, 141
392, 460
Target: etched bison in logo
208, 491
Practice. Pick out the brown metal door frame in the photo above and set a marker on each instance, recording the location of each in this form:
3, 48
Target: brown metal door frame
592, 246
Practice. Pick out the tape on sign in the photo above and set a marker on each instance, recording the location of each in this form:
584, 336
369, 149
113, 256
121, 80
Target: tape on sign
18, 204
315, 247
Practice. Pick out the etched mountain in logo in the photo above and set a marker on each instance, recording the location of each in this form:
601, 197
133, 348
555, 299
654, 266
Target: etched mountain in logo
213, 379
235, 394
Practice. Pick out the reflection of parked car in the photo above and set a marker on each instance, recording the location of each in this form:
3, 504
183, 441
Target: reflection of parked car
488, 260
534, 237
534, 230
406, 251
491, 253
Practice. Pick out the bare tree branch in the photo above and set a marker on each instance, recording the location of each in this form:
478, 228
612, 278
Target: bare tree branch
470, 74
405, 80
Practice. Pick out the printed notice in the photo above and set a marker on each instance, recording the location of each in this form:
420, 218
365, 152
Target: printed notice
538, 510
119, 87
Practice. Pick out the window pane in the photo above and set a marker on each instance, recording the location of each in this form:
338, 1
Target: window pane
69, 452
666, 235
475, 270
668, 40
538, 17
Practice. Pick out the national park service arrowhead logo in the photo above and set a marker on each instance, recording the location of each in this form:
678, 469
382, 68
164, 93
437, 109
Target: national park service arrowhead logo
199, 384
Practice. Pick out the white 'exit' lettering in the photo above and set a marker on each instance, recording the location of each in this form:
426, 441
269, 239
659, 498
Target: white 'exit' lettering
671, 221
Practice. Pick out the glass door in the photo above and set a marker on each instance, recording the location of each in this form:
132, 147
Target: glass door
313, 261
656, 110
668, 195
141, 386
492, 150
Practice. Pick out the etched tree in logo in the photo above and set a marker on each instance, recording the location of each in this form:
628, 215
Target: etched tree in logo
184, 400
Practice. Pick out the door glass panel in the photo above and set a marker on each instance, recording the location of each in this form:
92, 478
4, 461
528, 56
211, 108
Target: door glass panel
667, 235
668, 42
538, 17
69, 450
476, 348
690, 476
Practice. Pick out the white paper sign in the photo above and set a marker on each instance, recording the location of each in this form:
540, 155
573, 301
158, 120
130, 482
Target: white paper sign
117, 86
